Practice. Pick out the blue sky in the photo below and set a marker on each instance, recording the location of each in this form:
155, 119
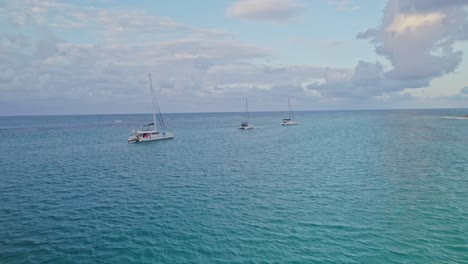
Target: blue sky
87, 57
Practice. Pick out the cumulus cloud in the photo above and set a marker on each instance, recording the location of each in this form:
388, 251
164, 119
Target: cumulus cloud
366, 80
97, 59
417, 38
411, 22
429, 5
270, 10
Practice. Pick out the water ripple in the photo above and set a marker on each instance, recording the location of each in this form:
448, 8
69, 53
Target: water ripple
342, 187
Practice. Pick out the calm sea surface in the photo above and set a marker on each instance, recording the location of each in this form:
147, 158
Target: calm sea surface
342, 187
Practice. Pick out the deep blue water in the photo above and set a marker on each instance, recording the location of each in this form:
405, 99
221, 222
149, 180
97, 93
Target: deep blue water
341, 187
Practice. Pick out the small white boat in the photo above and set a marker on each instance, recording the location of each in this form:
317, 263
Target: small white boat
246, 124
146, 133
289, 121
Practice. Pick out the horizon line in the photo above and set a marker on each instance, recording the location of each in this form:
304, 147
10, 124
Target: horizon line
212, 112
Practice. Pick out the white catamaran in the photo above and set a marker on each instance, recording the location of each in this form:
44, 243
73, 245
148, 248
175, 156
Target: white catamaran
146, 133
246, 124
289, 121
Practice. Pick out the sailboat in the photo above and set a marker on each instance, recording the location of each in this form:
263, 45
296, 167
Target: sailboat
289, 121
150, 131
246, 124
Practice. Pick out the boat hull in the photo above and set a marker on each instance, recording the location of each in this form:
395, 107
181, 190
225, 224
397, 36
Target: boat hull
289, 124
245, 127
134, 139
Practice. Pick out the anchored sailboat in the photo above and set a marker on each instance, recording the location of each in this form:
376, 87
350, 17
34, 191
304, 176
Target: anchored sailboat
246, 124
146, 133
289, 121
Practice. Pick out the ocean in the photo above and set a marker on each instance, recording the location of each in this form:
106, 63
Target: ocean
386, 186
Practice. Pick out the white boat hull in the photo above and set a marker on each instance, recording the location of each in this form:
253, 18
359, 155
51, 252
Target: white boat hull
162, 136
292, 123
246, 127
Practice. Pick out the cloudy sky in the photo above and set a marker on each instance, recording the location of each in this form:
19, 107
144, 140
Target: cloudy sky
93, 56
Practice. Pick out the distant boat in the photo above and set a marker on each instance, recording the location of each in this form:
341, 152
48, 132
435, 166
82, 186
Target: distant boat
289, 121
246, 124
150, 132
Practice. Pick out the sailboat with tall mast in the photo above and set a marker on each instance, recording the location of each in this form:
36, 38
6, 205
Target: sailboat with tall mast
246, 124
146, 134
291, 120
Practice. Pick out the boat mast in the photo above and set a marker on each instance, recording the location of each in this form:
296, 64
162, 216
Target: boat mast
153, 101
291, 113
247, 110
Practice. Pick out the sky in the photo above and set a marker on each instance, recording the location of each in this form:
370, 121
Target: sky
94, 56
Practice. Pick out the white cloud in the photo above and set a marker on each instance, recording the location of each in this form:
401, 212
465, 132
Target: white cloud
120, 47
270, 10
417, 37
365, 81
417, 43
195, 69
408, 22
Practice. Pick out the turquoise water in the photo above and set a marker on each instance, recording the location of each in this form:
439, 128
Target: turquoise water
342, 187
